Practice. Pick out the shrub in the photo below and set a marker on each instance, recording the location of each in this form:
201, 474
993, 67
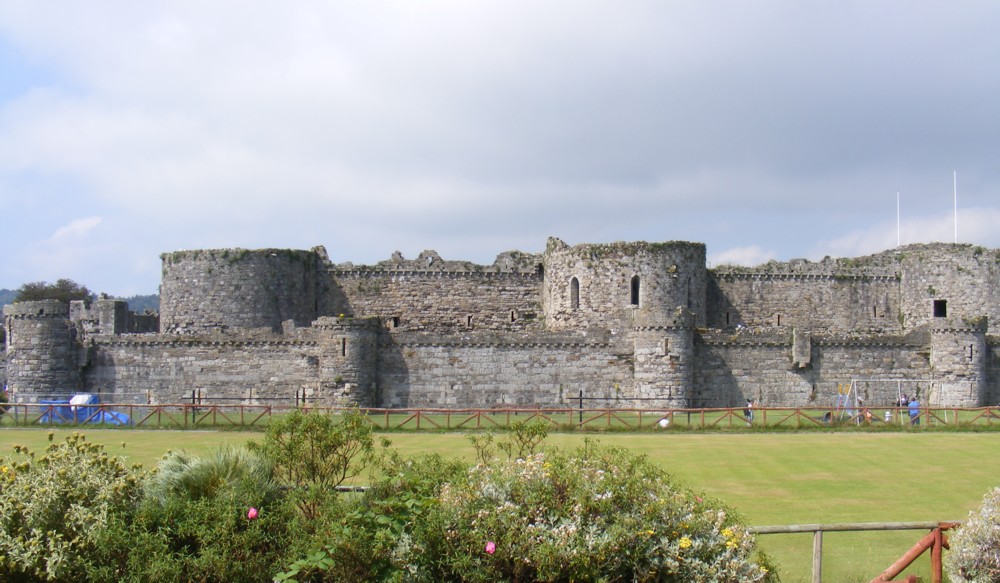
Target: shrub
975, 546
315, 452
219, 518
596, 514
54, 508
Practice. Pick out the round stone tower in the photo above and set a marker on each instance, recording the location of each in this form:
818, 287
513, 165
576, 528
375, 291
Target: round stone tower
958, 361
348, 360
41, 349
622, 285
237, 288
665, 360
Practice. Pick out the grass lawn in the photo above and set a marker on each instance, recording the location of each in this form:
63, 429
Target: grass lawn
769, 478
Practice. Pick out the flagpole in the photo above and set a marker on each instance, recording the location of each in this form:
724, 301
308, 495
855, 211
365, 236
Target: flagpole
897, 219
955, 183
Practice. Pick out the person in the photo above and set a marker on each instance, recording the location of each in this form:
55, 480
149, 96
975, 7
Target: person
748, 412
914, 411
888, 416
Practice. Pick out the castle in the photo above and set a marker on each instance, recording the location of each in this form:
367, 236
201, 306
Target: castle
615, 325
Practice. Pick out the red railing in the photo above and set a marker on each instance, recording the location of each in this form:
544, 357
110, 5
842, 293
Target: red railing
186, 415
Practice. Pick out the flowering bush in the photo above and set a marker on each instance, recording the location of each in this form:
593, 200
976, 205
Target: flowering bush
975, 546
594, 515
54, 508
217, 518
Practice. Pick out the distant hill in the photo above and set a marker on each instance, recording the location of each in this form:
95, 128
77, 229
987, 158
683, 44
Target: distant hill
138, 304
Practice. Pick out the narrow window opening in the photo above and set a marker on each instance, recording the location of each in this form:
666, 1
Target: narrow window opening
513, 316
574, 293
635, 290
343, 346
394, 322
875, 311
777, 320
727, 318
468, 321
540, 270
969, 355
940, 308
666, 346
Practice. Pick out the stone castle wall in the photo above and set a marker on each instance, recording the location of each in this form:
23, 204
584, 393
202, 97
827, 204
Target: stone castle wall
628, 324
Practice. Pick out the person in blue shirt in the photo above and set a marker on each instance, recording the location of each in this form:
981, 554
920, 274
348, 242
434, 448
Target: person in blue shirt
914, 411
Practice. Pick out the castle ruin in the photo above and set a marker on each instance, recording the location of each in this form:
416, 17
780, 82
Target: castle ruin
623, 325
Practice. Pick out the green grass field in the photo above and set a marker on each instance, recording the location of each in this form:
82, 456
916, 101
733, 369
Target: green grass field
769, 478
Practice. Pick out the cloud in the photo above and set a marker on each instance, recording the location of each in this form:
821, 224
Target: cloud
748, 256
975, 225
74, 232
765, 129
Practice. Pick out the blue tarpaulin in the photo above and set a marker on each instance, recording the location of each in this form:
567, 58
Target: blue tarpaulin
80, 409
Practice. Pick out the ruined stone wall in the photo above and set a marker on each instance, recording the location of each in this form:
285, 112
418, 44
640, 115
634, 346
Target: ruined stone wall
604, 285
761, 367
484, 370
333, 363
822, 302
431, 294
899, 289
239, 288
442, 301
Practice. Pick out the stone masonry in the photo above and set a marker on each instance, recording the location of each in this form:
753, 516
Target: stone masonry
622, 325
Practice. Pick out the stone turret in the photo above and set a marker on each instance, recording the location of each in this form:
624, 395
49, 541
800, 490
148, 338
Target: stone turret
618, 285
665, 360
41, 349
238, 288
958, 361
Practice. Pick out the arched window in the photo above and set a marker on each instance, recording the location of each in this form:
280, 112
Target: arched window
574, 293
635, 290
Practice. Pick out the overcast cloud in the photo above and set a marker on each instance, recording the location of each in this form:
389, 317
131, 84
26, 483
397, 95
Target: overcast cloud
767, 130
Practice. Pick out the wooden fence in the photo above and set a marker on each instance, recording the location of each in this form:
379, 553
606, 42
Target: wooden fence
202, 415
934, 541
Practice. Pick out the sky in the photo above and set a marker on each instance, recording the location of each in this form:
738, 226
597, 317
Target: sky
766, 130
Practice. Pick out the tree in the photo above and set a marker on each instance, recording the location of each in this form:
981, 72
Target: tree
65, 290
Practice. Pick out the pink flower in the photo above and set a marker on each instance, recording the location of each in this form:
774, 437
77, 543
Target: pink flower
491, 547
252, 513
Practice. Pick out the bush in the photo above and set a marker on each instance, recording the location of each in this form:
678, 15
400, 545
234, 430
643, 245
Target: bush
315, 452
975, 546
219, 518
596, 514
55, 508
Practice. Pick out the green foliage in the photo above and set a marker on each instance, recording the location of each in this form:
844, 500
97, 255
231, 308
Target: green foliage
314, 452
594, 515
182, 475
64, 290
358, 546
597, 514
196, 523
974, 552
54, 508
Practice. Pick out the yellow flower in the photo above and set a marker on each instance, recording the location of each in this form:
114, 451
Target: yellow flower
728, 533
685, 543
